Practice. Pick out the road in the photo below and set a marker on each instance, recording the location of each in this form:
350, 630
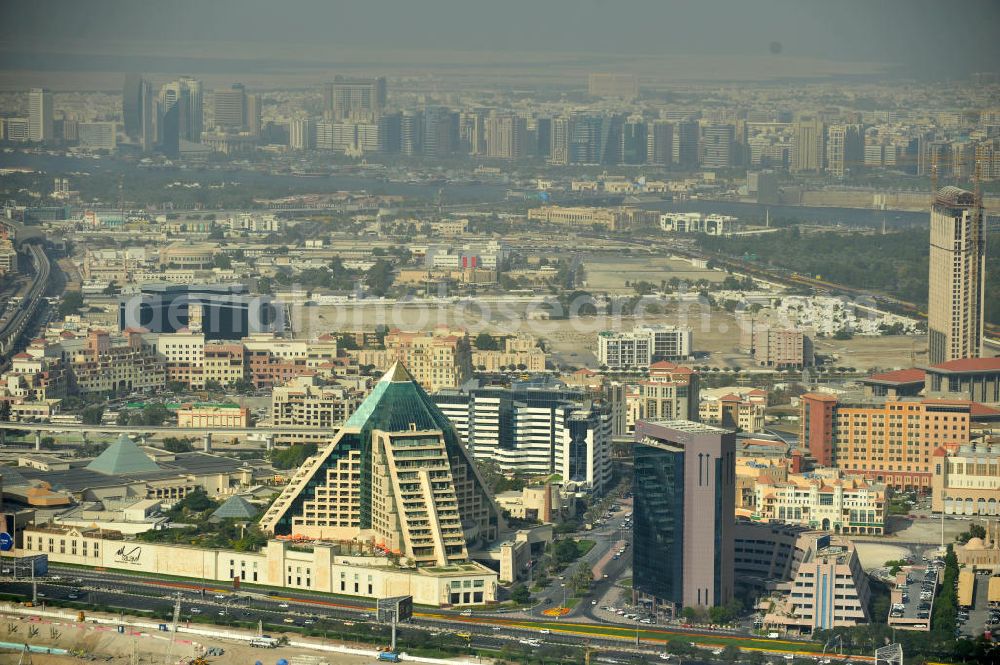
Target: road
334, 615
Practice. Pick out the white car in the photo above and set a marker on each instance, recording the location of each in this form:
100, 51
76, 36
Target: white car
283, 606
545, 631
665, 656
195, 610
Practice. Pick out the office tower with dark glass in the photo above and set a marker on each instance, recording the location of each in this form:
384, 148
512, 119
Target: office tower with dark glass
684, 488
957, 270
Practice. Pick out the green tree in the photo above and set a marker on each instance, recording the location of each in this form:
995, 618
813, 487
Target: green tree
486, 342
155, 415
380, 277
566, 551
92, 414
174, 445
71, 303
293, 456
520, 594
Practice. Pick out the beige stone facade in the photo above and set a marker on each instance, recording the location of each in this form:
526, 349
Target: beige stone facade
966, 480
324, 568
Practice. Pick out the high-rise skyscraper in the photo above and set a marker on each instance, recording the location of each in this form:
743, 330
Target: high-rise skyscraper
588, 138
440, 131
186, 95
633, 141
717, 143
147, 116
253, 123
560, 140
132, 105
231, 108
844, 149
957, 270
302, 134
40, 126
807, 145
686, 138
684, 486
354, 98
660, 143
505, 136
411, 133
543, 137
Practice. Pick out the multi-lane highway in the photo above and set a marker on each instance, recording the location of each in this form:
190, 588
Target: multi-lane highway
351, 618
14, 323
331, 616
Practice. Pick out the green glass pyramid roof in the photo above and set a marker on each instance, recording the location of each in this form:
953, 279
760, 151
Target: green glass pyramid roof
396, 402
236, 507
122, 457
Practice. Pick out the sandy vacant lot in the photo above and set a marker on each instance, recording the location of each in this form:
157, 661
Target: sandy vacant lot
109, 646
609, 272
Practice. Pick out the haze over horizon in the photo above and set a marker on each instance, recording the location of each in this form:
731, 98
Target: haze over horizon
659, 39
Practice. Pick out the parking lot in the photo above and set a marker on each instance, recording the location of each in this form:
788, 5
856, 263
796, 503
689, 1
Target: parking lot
980, 616
913, 603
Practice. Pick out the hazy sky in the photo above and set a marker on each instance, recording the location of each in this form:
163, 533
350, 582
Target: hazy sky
944, 38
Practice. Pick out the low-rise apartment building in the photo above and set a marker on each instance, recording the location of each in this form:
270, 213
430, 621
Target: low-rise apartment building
305, 402
823, 499
520, 352
891, 442
643, 346
439, 358
734, 408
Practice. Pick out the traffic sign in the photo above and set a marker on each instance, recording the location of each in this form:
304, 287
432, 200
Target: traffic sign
6, 542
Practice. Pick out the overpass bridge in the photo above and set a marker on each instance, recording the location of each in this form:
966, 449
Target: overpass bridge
268, 434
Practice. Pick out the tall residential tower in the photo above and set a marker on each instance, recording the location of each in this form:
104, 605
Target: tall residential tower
957, 271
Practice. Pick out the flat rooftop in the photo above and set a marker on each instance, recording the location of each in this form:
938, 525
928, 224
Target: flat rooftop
689, 426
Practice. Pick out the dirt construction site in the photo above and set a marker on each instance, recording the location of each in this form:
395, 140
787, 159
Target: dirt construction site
71, 641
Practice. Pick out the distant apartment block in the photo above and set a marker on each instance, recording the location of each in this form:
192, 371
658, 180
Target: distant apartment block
440, 358
824, 499
519, 352
772, 346
669, 392
225, 416
641, 347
